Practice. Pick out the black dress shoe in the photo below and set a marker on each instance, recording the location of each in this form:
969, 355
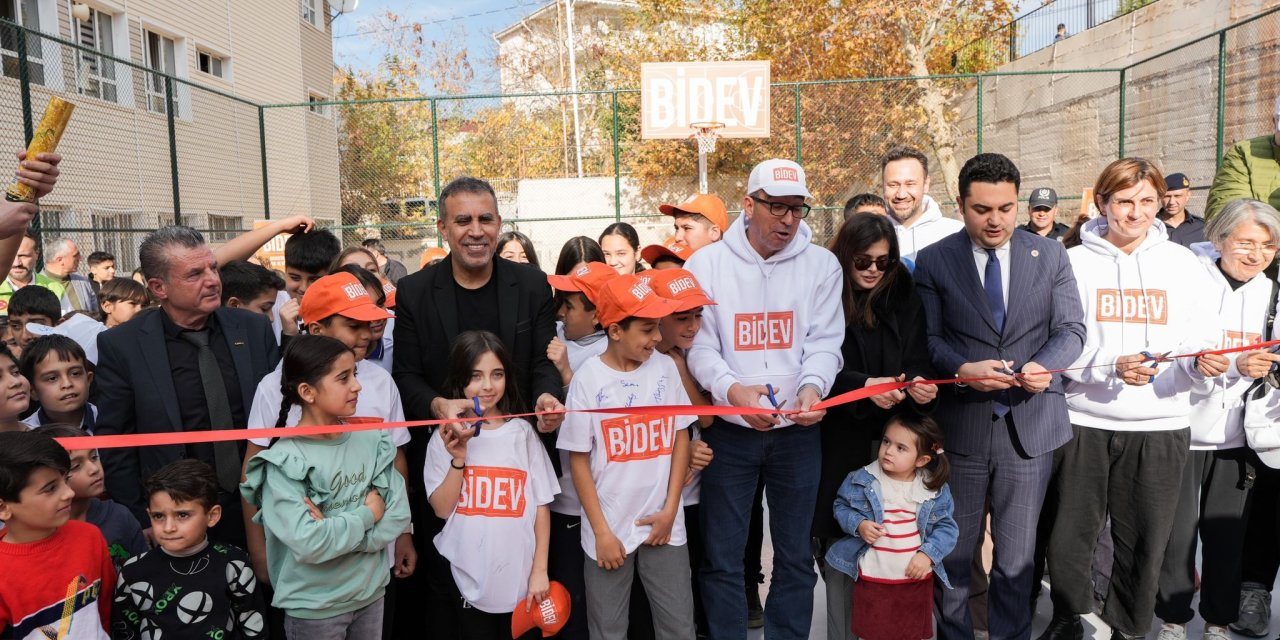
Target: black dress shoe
1119, 635
1064, 628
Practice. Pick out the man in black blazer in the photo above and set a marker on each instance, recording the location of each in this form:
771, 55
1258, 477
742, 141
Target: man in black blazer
471, 289
995, 299
151, 377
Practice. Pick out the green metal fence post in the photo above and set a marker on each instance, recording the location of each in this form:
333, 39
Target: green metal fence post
435, 162
799, 129
979, 115
1120, 134
617, 163
262, 146
1222, 97
173, 150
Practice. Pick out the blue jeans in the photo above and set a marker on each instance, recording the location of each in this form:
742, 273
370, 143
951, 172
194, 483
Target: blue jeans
790, 460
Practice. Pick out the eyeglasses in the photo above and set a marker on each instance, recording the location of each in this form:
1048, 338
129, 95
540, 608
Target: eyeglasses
1253, 247
864, 262
779, 209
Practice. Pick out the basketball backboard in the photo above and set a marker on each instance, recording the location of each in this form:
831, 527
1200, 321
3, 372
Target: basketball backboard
673, 95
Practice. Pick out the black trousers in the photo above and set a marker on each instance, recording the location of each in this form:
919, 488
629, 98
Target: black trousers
478, 625
1262, 535
1211, 502
564, 565
1134, 476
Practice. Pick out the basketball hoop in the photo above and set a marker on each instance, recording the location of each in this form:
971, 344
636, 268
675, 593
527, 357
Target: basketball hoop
706, 134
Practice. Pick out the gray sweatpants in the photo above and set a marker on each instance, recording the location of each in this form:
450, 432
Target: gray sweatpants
362, 624
664, 571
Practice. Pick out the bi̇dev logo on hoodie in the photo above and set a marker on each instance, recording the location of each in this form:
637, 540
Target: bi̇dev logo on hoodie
760, 331
1236, 339
1133, 305
638, 437
492, 492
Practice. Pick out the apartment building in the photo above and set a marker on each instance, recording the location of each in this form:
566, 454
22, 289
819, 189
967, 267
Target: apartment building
228, 57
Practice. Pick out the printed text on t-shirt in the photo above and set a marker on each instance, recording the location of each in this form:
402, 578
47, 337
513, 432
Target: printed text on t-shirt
638, 437
1133, 305
760, 331
1237, 339
493, 492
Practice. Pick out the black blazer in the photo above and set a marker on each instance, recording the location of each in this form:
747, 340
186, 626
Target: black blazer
851, 432
135, 392
427, 322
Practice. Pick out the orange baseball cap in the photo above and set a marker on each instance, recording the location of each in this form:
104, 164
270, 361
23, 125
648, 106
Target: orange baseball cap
668, 249
678, 285
390, 291
433, 253
339, 294
630, 296
704, 204
587, 279
550, 615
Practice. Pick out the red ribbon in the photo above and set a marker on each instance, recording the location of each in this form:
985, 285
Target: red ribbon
225, 435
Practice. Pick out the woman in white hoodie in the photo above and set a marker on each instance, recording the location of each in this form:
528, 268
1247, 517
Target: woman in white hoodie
1130, 413
1216, 479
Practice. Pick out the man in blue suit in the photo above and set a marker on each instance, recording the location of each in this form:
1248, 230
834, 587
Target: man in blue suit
1002, 308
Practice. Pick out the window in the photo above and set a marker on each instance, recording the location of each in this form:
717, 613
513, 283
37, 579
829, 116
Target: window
95, 74
211, 64
27, 14
115, 231
224, 228
311, 13
159, 56
317, 105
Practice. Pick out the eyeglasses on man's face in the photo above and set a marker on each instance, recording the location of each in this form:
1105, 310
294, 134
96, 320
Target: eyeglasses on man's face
780, 209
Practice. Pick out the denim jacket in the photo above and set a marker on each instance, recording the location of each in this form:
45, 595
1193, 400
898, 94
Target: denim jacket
859, 500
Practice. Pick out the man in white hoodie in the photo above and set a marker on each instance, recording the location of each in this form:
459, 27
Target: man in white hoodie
773, 340
904, 173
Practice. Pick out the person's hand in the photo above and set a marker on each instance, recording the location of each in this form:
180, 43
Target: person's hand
295, 224
455, 437
539, 589
1212, 365
922, 393
870, 531
559, 356
373, 500
919, 567
406, 556
741, 395
451, 409
610, 554
887, 399
289, 312
1034, 378
1132, 372
15, 216
700, 455
989, 370
551, 421
661, 523
804, 402
316, 513
1257, 363
39, 173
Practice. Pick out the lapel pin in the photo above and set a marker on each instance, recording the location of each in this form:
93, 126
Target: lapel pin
239, 343
1035, 253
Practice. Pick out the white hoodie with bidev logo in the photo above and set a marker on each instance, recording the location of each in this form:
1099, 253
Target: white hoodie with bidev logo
777, 321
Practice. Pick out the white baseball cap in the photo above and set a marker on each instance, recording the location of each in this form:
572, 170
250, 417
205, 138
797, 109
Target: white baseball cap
79, 327
778, 177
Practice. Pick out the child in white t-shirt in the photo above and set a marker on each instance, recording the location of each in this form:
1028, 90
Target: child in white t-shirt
491, 482
629, 469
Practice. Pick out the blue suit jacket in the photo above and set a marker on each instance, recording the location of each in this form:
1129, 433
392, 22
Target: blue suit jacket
1043, 324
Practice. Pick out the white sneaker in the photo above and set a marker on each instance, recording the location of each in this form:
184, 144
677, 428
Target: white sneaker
1214, 632
1173, 632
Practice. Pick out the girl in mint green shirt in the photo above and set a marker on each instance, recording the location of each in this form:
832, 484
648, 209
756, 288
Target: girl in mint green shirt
329, 504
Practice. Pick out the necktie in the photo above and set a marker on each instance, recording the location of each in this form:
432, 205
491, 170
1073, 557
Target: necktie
993, 284
226, 455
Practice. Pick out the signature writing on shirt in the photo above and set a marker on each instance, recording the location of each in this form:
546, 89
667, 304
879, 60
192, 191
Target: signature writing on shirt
660, 390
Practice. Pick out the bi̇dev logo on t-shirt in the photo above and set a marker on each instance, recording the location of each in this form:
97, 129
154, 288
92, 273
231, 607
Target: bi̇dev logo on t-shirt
1235, 339
785, 173
638, 437
492, 492
1133, 305
760, 331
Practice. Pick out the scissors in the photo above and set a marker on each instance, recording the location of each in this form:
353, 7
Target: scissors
773, 399
475, 401
1154, 358
1004, 368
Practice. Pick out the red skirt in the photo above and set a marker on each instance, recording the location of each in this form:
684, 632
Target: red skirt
893, 611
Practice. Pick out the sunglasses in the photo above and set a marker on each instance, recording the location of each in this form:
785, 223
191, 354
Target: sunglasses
864, 262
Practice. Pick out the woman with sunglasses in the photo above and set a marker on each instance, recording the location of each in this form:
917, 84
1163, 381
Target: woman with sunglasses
884, 340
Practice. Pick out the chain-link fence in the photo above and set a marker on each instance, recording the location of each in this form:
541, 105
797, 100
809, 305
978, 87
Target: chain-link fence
146, 147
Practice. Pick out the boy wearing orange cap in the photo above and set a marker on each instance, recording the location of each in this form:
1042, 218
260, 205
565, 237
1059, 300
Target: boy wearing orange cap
340, 307
628, 470
699, 220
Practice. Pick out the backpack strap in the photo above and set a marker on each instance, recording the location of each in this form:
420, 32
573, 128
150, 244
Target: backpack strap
1258, 389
